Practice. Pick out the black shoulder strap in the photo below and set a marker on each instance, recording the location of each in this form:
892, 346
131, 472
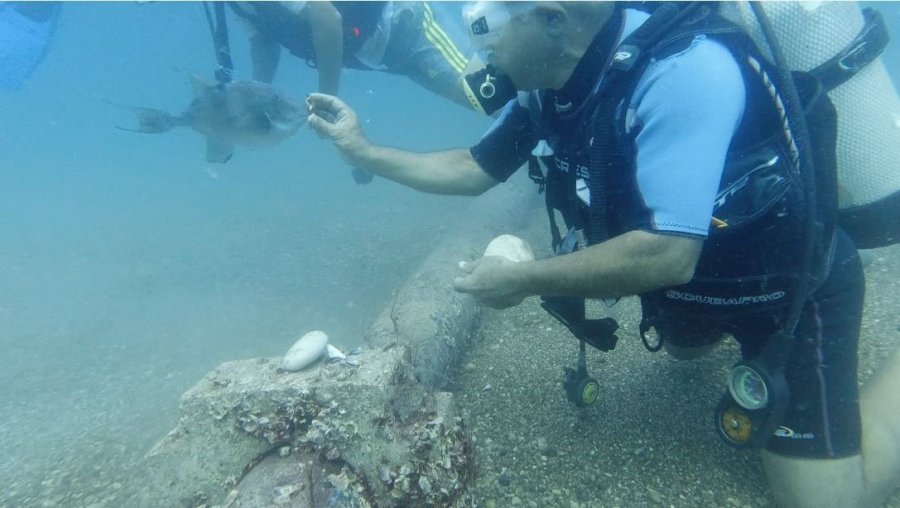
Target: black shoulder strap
218, 28
664, 19
863, 50
631, 55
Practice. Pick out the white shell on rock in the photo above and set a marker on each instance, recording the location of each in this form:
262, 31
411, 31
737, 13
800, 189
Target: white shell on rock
511, 247
335, 353
306, 351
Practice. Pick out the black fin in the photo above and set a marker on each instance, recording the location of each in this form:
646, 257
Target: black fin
218, 151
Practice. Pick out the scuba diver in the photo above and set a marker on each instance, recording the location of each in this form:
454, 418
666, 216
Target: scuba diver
680, 161
410, 38
26, 30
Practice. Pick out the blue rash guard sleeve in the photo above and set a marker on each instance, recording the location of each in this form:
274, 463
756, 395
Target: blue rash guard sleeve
507, 144
681, 118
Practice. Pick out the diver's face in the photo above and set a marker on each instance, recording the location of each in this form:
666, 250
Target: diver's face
514, 39
524, 51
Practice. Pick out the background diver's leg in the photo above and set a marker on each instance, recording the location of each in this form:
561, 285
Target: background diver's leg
432, 49
265, 55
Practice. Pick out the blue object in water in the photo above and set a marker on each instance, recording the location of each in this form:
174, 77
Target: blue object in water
26, 29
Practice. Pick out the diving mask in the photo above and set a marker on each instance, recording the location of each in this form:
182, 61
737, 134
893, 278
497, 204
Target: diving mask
487, 21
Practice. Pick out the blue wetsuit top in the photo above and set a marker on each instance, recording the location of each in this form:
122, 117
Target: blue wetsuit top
680, 121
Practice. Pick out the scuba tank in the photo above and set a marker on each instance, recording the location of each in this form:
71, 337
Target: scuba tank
841, 45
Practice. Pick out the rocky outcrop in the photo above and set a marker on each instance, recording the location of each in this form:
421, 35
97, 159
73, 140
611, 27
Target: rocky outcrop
335, 435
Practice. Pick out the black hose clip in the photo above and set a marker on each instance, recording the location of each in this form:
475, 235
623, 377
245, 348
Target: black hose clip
599, 333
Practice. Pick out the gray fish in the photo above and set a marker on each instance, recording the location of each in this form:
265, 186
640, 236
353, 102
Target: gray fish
246, 113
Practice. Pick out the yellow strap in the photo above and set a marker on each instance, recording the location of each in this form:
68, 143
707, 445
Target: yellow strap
442, 42
473, 100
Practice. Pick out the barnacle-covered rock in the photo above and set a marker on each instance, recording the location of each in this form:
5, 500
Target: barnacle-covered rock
376, 438
339, 481
424, 485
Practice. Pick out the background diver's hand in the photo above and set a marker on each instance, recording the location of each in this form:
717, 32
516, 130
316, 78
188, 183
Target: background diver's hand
494, 280
333, 119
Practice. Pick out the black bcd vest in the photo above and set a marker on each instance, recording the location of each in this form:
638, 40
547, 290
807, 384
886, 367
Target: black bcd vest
751, 261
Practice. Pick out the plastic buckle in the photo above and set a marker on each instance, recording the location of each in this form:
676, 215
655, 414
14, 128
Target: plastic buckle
858, 54
854, 58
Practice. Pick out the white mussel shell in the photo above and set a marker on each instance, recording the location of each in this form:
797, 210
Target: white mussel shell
306, 351
511, 247
335, 354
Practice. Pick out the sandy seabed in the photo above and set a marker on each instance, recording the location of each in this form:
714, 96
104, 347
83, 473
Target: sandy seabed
649, 440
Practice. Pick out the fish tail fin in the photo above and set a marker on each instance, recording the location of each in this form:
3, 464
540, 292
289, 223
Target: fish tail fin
154, 121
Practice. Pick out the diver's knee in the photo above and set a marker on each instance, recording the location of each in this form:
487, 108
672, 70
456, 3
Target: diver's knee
815, 483
880, 417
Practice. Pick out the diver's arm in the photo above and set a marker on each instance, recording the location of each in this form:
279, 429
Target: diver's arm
265, 52
629, 264
448, 172
328, 43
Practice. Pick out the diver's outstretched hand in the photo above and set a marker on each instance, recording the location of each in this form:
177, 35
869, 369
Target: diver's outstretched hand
493, 280
333, 119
